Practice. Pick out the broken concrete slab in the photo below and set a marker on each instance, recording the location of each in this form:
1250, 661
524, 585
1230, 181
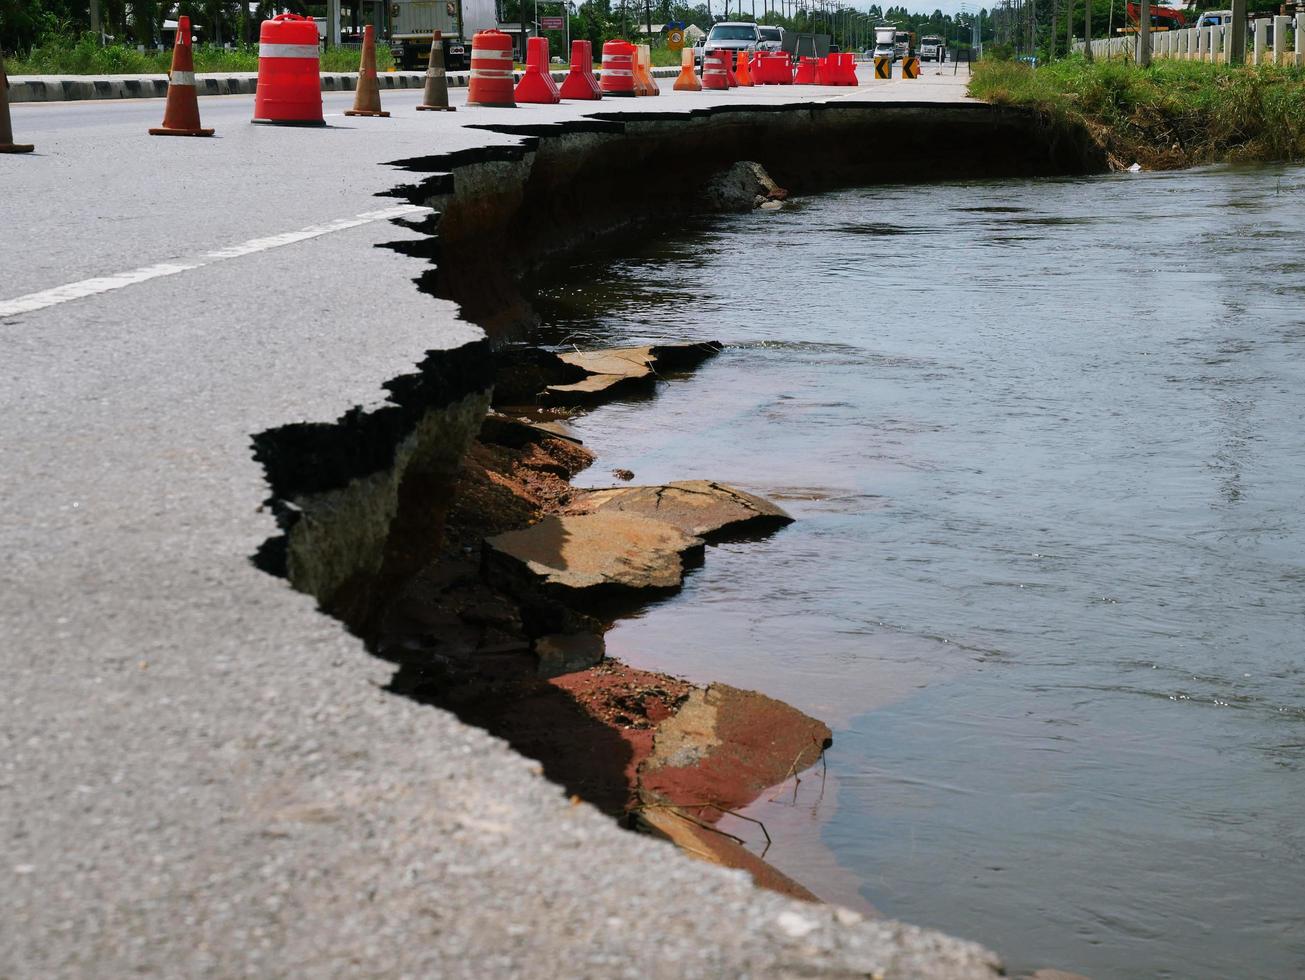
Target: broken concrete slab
579, 552
595, 388
724, 747
631, 362
565, 653
704, 842
699, 507
682, 357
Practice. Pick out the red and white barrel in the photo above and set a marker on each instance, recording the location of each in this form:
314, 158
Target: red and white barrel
289, 72
715, 70
491, 70
618, 68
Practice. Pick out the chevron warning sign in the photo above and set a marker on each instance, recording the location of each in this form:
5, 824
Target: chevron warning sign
883, 67
911, 67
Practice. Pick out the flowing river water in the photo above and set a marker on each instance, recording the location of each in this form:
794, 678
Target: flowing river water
1045, 442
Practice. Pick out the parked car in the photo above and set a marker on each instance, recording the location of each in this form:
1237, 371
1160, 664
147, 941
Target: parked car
771, 39
731, 36
1213, 18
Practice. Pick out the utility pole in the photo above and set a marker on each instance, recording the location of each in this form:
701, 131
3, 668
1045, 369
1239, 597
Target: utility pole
1144, 34
1237, 43
1087, 31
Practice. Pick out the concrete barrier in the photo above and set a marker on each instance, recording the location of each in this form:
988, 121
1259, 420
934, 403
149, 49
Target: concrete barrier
67, 88
1282, 55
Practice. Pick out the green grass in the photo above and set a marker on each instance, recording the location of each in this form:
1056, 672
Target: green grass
1173, 114
85, 56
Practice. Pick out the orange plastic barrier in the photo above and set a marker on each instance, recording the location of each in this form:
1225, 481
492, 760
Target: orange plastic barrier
643, 71
580, 82
741, 71
289, 73
491, 71
807, 71
537, 85
688, 79
773, 69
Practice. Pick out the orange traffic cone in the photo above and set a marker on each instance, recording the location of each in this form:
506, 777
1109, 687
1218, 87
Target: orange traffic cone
7, 144
435, 98
181, 112
688, 80
367, 96
741, 72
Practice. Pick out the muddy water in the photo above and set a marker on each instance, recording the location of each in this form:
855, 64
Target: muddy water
1044, 443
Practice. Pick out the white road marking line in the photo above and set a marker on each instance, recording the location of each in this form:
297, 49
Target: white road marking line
104, 284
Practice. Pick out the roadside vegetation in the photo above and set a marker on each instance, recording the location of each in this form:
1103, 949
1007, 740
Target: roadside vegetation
58, 55
1173, 114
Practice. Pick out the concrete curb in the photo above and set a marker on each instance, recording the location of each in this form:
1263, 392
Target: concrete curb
75, 88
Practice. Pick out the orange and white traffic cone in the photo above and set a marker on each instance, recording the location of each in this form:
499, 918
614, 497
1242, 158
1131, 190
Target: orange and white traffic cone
7, 144
367, 96
181, 112
435, 97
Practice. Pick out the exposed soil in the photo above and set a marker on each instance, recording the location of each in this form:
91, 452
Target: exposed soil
657, 752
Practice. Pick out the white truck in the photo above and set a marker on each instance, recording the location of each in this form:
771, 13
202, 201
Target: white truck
885, 46
933, 48
904, 42
412, 22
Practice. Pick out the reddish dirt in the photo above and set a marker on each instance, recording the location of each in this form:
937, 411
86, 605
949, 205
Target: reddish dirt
590, 730
465, 645
726, 747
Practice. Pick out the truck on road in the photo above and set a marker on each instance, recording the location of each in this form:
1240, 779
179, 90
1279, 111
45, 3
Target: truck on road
933, 48
904, 43
884, 44
412, 22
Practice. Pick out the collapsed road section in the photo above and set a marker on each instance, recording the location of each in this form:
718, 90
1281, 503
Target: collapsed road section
204, 774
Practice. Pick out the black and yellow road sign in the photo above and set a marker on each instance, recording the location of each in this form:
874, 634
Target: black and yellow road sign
911, 67
883, 67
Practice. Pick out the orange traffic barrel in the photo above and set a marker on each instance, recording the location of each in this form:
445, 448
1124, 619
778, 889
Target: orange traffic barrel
580, 82
491, 70
537, 83
714, 74
181, 113
289, 73
688, 80
618, 68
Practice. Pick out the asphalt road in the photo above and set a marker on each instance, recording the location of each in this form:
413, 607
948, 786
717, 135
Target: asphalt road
200, 774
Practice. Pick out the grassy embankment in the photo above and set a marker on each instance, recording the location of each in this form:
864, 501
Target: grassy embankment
1173, 114
66, 56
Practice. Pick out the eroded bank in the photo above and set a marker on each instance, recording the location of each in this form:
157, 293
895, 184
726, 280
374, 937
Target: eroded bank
379, 509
